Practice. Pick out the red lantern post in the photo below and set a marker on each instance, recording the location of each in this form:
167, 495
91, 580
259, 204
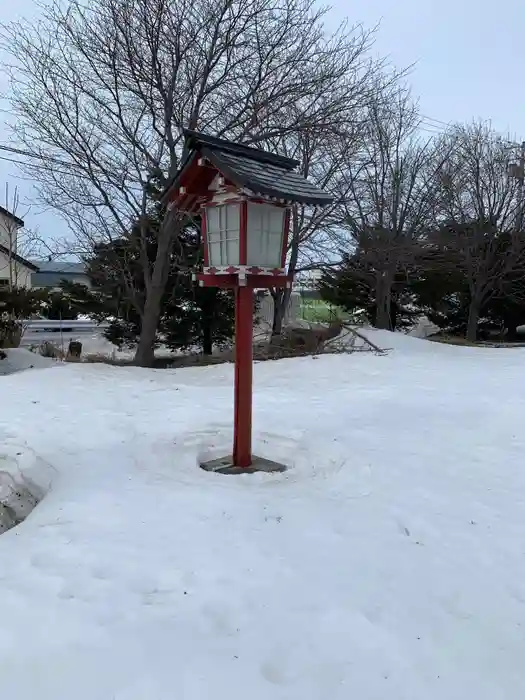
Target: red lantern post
245, 218
242, 426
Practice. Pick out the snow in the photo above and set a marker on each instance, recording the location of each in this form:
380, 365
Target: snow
388, 562
424, 328
19, 359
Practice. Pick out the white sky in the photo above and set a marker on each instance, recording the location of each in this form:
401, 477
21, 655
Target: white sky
467, 56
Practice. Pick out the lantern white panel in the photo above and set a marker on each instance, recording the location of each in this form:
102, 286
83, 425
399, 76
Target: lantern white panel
265, 235
222, 233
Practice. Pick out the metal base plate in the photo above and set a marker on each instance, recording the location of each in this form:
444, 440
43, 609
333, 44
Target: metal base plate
225, 465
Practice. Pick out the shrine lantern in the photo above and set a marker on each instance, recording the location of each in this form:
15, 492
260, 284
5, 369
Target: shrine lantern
244, 197
245, 236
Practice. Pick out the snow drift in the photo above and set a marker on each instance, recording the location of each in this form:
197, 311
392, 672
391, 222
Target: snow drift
19, 359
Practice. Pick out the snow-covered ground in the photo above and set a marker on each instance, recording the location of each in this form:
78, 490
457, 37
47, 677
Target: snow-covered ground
20, 359
388, 562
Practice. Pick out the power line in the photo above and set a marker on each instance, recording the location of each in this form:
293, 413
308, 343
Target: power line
422, 127
22, 152
45, 167
11, 160
438, 121
430, 125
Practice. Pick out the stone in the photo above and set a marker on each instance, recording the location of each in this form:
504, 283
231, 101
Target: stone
225, 465
7, 518
74, 350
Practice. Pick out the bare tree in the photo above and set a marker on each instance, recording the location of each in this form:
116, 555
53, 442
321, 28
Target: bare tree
317, 235
314, 236
102, 93
480, 222
389, 201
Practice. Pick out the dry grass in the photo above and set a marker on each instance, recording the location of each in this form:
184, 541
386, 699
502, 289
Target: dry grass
262, 352
101, 358
48, 349
348, 342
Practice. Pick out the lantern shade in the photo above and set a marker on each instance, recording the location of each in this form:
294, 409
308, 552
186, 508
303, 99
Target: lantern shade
265, 231
223, 224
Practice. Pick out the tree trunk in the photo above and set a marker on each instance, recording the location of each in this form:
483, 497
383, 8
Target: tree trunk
281, 296
207, 337
393, 315
145, 353
383, 302
511, 333
472, 323
280, 303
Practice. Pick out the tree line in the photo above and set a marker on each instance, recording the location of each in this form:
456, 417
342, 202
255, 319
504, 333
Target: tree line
101, 93
435, 228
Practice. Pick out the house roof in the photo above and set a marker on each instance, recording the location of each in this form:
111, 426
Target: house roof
261, 172
60, 267
11, 216
18, 258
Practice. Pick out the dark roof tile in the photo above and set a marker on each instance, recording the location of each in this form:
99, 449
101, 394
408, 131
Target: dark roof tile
266, 178
261, 172
197, 141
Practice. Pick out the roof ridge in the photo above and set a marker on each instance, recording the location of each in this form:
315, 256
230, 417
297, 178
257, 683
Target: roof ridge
19, 259
195, 139
46, 265
13, 217
263, 174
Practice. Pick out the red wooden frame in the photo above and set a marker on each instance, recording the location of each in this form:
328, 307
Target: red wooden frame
251, 281
242, 432
230, 200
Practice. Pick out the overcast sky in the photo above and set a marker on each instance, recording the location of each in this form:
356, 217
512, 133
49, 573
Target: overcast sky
467, 57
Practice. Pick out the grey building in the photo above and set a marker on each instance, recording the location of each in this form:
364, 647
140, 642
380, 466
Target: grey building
51, 273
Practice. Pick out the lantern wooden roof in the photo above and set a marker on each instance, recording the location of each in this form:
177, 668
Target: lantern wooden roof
256, 172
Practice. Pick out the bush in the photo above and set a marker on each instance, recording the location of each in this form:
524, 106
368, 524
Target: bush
17, 304
10, 332
48, 349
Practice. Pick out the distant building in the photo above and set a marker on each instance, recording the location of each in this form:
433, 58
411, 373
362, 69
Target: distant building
306, 284
49, 274
14, 269
40, 274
